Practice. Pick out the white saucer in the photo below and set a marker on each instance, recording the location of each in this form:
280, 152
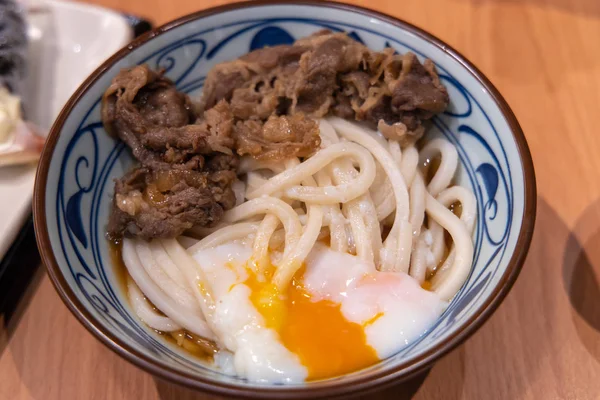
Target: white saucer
67, 42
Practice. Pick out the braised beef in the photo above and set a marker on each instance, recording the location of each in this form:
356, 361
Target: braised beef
144, 109
330, 73
186, 166
263, 105
163, 204
279, 138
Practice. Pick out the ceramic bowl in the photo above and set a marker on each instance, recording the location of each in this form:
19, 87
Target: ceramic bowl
75, 184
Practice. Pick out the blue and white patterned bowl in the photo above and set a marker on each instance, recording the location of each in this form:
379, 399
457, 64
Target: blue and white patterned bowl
74, 186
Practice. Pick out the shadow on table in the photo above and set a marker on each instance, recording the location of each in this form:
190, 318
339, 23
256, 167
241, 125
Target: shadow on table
581, 275
20, 274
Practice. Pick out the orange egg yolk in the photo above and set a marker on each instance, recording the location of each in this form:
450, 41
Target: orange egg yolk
326, 343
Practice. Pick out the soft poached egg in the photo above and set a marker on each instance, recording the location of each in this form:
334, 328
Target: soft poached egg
339, 314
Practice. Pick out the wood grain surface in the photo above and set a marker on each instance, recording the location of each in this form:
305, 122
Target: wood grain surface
544, 340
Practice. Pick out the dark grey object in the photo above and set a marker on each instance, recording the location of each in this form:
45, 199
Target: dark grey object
13, 45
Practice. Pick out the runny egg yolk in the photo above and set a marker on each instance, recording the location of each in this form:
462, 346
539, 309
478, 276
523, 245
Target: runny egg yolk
326, 343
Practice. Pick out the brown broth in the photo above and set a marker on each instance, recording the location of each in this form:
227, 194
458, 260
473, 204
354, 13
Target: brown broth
325, 239
426, 285
456, 208
115, 249
430, 168
194, 345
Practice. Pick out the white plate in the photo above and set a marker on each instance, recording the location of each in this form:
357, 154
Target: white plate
67, 42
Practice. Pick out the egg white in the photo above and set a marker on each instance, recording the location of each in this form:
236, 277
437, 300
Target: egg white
393, 309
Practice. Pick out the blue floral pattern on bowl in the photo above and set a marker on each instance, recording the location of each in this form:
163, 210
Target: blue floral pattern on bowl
86, 160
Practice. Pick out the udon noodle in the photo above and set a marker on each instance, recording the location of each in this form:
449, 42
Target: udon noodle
360, 193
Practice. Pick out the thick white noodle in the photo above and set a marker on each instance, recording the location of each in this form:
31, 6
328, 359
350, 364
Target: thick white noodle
383, 197
468, 215
438, 245
409, 164
386, 207
178, 293
360, 233
395, 151
146, 313
290, 179
336, 220
343, 171
194, 275
397, 247
468, 203
418, 262
166, 264
417, 205
293, 261
381, 192
269, 205
277, 240
448, 164
224, 235
459, 271
369, 213
359, 237
266, 229
191, 321
260, 247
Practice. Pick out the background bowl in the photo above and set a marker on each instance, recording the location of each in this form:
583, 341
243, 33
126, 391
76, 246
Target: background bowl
74, 186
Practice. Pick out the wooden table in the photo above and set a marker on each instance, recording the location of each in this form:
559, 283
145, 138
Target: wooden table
544, 340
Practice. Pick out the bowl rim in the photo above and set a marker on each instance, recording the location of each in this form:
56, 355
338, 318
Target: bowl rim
329, 389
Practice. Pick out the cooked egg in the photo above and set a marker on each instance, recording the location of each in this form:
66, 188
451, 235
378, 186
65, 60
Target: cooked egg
336, 317
391, 307
257, 352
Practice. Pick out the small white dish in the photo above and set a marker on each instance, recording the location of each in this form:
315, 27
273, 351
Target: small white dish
67, 42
